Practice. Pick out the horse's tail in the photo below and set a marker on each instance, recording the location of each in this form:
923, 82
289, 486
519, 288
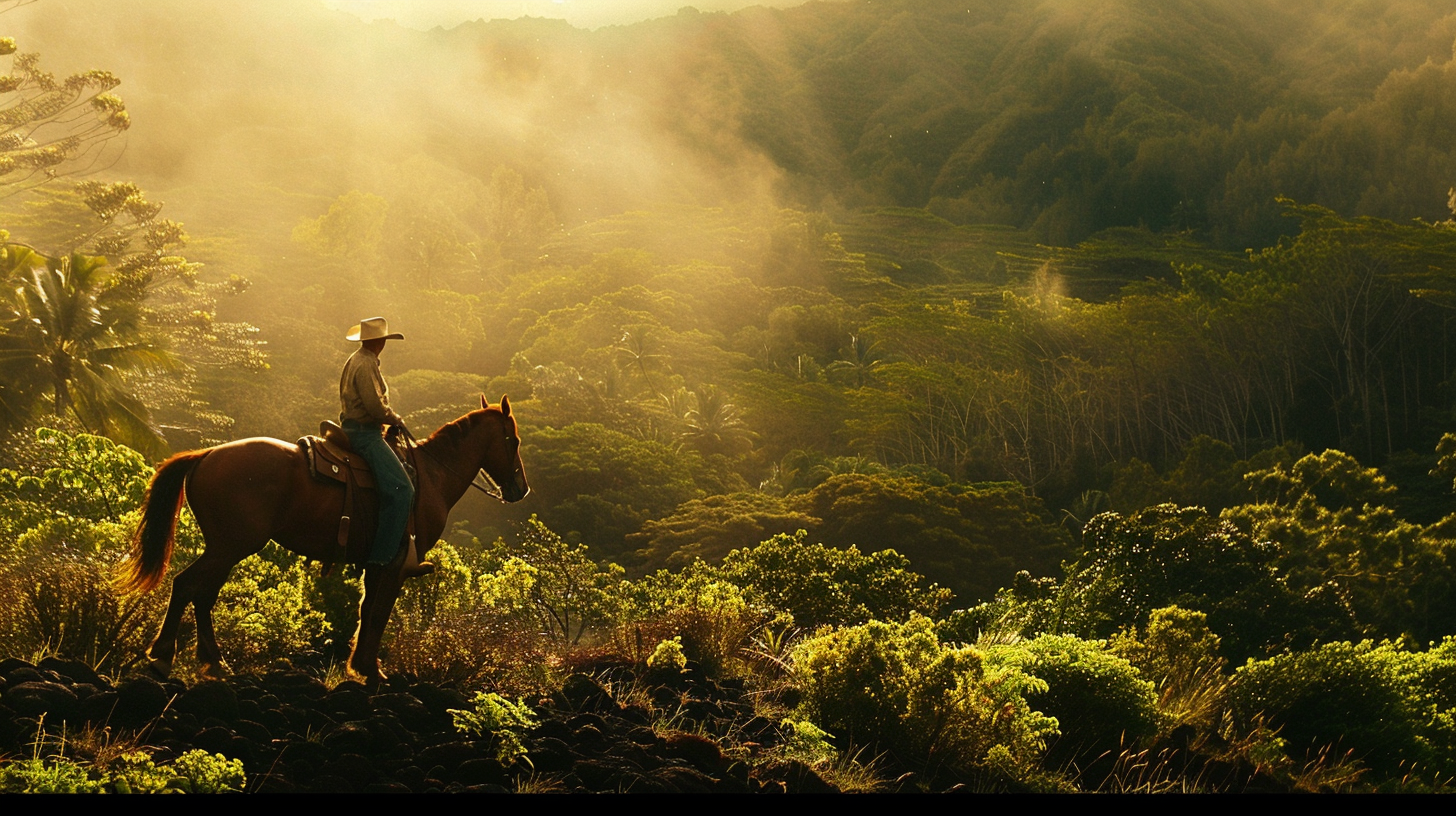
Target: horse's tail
151, 546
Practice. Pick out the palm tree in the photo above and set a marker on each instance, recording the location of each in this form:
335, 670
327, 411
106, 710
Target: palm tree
637, 351
860, 361
65, 329
713, 424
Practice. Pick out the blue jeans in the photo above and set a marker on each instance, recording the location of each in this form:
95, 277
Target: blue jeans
391, 484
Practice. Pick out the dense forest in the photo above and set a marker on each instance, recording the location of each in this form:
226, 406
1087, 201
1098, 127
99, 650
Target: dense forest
1043, 396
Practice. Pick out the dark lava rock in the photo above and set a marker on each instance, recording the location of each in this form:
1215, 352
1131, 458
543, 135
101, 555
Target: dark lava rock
24, 674
552, 728
355, 769
700, 752
594, 720
684, 780
351, 737
386, 787
10, 664
412, 776
551, 755
254, 731
637, 783
213, 740
139, 701
301, 751
72, 670
249, 710
596, 775
761, 730
276, 784
449, 755
644, 736
480, 771
349, 702
635, 755
181, 723
294, 687
702, 710
411, 712
35, 698
210, 698
636, 714
99, 707
788, 697
582, 693
590, 738
728, 784
328, 783
671, 678
487, 788
84, 690
439, 700
388, 732
795, 776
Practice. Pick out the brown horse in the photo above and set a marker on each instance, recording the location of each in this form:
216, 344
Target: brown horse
247, 492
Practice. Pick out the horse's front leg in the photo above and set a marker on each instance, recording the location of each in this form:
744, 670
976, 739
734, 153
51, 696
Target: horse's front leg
382, 583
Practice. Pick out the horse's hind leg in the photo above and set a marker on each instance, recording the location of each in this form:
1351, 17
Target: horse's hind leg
164, 648
197, 585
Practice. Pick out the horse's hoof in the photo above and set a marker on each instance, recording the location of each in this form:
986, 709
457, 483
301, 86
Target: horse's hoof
213, 671
160, 669
371, 677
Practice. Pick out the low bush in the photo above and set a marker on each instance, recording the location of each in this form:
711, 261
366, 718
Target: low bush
1100, 703
898, 688
1340, 697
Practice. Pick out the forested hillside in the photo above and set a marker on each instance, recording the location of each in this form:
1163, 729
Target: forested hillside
1084, 366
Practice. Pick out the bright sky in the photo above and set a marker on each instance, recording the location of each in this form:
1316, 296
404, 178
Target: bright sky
426, 14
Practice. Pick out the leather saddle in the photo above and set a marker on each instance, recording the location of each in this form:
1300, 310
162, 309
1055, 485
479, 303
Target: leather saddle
331, 459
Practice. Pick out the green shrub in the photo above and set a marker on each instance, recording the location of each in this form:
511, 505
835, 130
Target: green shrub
469, 624
494, 715
264, 612
1099, 701
821, 585
1354, 697
54, 775
668, 655
896, 687
61, 601
195, 771
1179, 654
710, 616
807, 742
209, 773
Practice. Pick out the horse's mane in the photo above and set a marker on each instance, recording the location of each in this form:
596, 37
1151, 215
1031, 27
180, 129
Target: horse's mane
457, 429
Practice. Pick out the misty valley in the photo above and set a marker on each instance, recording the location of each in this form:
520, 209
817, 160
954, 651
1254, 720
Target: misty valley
900, 396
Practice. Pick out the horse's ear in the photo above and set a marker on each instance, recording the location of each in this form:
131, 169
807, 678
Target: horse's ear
483, 403
505, 405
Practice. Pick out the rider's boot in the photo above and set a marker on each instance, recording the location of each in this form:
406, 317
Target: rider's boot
413, 566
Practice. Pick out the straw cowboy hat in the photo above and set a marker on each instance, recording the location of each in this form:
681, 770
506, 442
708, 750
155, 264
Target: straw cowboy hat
375, 328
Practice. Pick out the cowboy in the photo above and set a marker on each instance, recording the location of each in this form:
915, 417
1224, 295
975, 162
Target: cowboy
364, 411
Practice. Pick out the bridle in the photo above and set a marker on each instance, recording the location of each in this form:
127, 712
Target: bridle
491, 487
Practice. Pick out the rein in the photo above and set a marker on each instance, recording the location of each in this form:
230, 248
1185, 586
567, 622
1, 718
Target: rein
414, 446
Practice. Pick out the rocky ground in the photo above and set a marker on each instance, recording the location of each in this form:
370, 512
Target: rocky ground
295, 734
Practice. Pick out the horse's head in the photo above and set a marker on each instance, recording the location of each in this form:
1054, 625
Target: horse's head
501, 461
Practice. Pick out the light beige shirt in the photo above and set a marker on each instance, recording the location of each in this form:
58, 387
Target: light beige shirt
363, 394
